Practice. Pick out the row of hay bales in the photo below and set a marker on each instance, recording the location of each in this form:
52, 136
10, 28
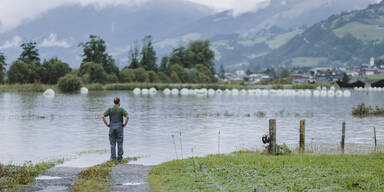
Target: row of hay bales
256, 92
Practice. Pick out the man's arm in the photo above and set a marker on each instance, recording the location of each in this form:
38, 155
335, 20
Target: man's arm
105, 121
126, 121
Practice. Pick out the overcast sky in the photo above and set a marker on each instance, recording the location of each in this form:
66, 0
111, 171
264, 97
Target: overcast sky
13, 12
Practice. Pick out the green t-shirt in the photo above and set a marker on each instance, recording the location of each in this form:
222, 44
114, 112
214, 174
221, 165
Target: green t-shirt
116, 109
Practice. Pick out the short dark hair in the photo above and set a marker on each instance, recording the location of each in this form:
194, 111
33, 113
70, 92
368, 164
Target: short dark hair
116, 100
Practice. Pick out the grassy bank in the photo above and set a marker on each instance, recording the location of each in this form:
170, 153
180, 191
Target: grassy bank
250, 171
12, 176
96, 178
158, 86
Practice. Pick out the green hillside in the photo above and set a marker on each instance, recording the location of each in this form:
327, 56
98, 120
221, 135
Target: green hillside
350, 38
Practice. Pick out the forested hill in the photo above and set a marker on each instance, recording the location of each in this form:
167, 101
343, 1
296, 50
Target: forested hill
350, 38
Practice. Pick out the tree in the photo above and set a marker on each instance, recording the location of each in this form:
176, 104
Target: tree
2, 67
175, 78
140, 75
345, 78
164, 65
199, 52
21, 72
148, 55
179, 56
134, 56
283, 73
53, 70
30, 53
92, 73
94, 51
152, 77
222, 72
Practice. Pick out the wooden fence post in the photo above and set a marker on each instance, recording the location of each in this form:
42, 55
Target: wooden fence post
343, 138
374, 137
302, 136
272, 135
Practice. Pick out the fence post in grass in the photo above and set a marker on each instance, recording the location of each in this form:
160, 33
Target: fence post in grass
343, 138
272, 135
374, 137
302, 136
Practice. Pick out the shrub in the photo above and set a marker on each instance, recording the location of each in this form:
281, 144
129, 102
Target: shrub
140, 75
21, 72
163, 77
69, 83
365, 111
127, 75
153, 77
175, 78
94, 73
112, 78
53, 70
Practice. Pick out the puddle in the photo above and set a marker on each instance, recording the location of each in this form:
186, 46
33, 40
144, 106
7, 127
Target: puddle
46, 177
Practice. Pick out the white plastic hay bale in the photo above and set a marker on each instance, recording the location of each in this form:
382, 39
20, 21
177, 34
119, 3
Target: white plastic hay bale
175, 91
211, 92
324, 88
339, 93
331, 93
184, 92
280, 92
137, 91
243, 92
347, 93
251, 92
152, 91
308, 93
84, 90
300, 93
316, 93
191, 92
235, 92
145, 91
258, 92
201, 92
273, 92
265, 92
227, 92
323, 93
356, 89
219, 92
166, 91
332, 88
49, 93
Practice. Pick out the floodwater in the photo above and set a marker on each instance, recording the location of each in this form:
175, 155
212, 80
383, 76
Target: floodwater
35, 128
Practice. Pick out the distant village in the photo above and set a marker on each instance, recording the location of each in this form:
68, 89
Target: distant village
314, 75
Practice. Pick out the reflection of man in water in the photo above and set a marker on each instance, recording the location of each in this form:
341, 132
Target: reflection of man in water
116, 128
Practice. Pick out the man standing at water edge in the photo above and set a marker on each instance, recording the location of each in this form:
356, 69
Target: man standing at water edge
116, 128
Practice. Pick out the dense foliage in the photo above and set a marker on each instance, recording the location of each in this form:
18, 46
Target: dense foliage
2, 67
69, 83
193, 64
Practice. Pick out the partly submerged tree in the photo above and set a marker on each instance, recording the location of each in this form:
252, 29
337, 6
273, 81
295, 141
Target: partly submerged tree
30, 53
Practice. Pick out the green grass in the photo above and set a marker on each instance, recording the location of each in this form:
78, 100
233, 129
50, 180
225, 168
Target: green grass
26, 87
12, 176
96, 178
250, 171
364, 32
374, 77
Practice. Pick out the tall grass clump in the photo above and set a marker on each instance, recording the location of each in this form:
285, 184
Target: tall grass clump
362, 111
69, 83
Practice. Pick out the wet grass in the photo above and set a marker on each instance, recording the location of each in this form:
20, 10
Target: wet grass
251, 171
12, 176
97, 178
362, 111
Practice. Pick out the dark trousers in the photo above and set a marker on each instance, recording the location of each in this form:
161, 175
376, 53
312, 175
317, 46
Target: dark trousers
116, 136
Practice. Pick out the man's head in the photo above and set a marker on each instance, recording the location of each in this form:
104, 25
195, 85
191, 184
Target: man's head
116, 100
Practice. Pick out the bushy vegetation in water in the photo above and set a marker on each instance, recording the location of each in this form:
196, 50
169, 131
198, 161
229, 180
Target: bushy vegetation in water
250, 171
362, 111
69, 83
12, 176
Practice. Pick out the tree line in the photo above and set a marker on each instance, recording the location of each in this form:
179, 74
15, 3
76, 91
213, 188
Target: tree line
191, 64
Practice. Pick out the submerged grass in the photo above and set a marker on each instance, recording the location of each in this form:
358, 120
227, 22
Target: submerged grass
12, 176
362, 111
97, 178
250, 171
